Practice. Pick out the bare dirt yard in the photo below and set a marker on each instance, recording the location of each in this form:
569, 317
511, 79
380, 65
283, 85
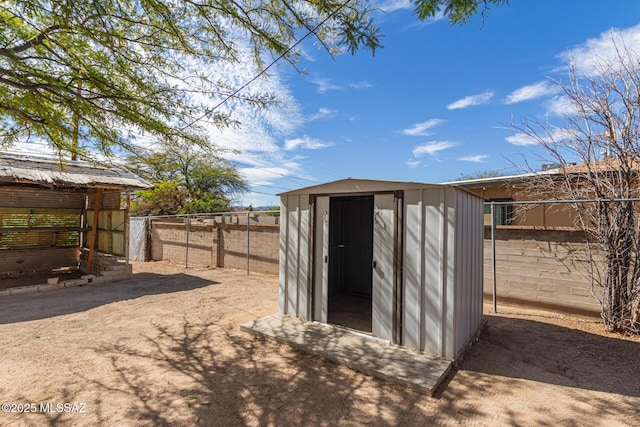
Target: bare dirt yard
165, 349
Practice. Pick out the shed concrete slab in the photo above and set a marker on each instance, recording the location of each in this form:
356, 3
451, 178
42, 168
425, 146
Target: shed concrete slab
422, 371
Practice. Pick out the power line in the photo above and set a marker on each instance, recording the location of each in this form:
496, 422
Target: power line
254, 78
261, 192
271, 186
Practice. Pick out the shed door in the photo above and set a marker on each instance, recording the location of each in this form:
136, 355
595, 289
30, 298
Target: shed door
383, 270
321, 260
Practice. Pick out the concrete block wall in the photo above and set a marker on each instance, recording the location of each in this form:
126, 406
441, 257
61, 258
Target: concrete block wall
534, 267
106, 267
540, 267
264, 247
169, 242
217, 244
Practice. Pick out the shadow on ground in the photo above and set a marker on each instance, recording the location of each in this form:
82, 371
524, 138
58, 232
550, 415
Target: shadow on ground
236, 379
231, 378
552, 354
42, 305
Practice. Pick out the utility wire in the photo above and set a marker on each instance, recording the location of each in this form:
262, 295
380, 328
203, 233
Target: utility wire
291, 177
257, 76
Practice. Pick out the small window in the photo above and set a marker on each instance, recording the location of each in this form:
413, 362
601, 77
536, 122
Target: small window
503, 212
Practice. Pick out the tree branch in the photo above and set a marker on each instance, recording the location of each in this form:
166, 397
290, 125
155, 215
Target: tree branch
29, 44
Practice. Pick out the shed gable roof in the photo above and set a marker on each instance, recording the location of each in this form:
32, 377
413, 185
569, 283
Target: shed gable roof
29, 170
353, 185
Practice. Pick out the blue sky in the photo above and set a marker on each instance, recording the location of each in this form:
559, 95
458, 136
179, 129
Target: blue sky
434, 103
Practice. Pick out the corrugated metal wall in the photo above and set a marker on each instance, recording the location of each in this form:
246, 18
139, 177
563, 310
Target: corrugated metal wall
468, 267
39, 229
25, 197
110, 200
111, 231
295, 255
443, 275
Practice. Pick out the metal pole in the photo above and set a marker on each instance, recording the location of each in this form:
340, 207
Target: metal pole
186, 249
248, 240
493, 254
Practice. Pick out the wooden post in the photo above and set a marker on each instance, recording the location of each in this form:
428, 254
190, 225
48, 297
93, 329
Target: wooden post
94, 230
126, 228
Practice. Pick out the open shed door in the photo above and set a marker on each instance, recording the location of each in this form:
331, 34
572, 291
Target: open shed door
321, 260
383, 269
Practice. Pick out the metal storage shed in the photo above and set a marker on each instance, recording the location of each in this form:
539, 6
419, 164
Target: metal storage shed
399, 261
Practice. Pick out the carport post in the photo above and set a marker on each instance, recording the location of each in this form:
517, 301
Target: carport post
493, 254
127, 228
95, 229
248, 240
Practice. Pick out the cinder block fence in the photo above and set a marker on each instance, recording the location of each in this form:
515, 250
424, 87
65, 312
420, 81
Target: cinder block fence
540, 267
217, 242
546, 268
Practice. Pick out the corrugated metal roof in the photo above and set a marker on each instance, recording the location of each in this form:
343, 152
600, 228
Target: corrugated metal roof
16, 169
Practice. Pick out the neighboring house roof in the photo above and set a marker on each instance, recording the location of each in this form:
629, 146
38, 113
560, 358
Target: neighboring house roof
496, 180
50, 173
499, 180
353, 185
604, 165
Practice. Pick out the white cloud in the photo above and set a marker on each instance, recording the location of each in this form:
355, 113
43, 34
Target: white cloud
305, 142
533, 91
263, 176
560, 106
413, 163
360, 85
549, 136
521, 139
389, 6
323, 113
469, 101
255, 145
589, 55
35, 147
420, 129
324, 85
432, 147
479, 158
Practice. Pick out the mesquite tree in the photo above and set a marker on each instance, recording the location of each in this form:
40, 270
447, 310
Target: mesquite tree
597, 151
103, 72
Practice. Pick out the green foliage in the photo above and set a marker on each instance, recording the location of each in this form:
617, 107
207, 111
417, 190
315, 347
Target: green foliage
165, 198
115, 66
186, 181
101, 71
275, 211
480, 175
458, 11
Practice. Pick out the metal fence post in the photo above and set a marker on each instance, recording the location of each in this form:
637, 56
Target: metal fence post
493, 254
248, 241
186, 249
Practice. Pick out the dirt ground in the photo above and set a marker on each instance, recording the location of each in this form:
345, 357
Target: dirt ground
165, 349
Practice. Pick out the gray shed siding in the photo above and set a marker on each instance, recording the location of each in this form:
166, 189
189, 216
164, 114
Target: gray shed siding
294, 256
